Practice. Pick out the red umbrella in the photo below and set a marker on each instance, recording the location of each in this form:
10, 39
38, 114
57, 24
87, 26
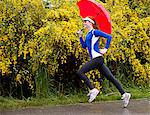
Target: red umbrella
96, 10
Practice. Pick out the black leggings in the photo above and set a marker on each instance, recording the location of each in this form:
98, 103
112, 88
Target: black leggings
98, 63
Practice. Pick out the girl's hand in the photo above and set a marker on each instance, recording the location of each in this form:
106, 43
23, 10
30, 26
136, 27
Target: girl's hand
80, 33
102, 51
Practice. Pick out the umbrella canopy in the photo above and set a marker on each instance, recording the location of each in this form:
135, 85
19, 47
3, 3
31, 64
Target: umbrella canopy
98, 12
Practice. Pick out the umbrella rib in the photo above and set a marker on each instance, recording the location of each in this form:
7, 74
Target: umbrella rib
98, 10
97, 14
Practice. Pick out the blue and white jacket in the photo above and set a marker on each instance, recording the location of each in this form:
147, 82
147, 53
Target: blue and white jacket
92, 42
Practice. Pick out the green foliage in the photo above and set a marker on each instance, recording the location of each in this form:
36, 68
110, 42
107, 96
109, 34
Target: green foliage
52, 100
131, 41
34, 37
19, 20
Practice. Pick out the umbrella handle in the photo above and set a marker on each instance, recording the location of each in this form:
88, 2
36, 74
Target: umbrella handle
80, 30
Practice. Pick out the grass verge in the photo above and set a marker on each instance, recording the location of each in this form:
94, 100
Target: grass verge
11, 103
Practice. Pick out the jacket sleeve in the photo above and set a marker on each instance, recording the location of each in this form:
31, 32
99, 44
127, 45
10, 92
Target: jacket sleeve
82, 42
105, 35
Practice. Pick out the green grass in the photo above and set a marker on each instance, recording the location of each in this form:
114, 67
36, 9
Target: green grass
11, 103
136, 93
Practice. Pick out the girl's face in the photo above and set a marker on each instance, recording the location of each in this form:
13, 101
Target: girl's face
87, 24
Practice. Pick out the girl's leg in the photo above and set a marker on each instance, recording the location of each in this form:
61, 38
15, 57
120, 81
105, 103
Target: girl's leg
107, 73
92, 64
81, 73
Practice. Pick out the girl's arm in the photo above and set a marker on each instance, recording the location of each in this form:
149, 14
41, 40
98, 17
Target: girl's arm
105, 35
82, 42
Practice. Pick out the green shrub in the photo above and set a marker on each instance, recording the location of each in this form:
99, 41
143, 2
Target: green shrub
34, 37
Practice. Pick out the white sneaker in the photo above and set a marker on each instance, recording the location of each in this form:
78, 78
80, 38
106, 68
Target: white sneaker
92, 94
126, 98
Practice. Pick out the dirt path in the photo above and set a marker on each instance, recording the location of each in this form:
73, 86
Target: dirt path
136, 107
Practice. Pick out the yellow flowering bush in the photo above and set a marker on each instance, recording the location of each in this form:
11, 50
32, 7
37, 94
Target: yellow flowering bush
40, 42
19, 20
131, 43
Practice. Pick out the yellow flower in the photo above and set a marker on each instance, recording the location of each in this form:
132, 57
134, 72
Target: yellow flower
18, 78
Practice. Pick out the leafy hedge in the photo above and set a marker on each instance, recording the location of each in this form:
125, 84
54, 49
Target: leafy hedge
40, 50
